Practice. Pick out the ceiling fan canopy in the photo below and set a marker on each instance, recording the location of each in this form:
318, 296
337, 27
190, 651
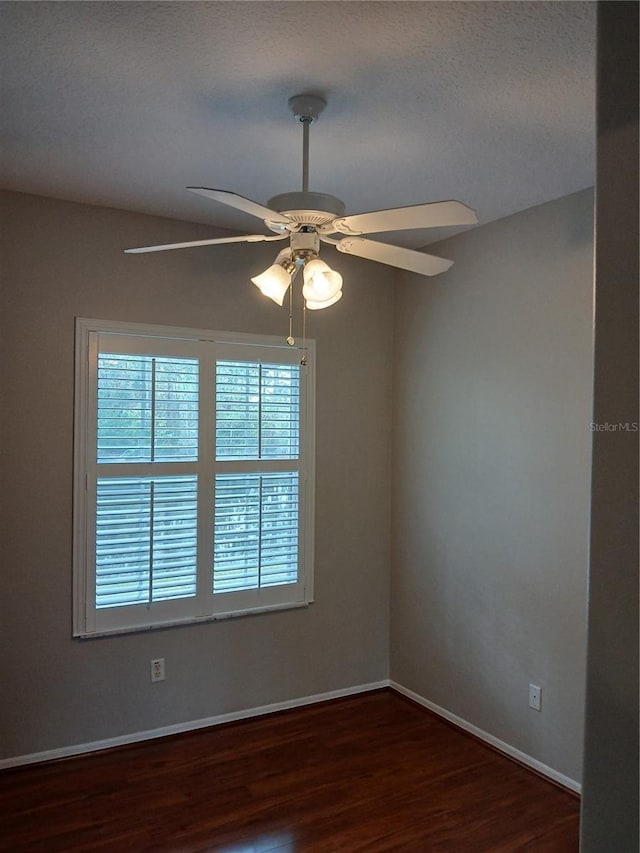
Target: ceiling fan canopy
309, 218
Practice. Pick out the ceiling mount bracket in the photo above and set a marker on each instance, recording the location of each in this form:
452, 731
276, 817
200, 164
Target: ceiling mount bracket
307, 108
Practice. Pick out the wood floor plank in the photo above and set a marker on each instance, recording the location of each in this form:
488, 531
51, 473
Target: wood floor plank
371, 773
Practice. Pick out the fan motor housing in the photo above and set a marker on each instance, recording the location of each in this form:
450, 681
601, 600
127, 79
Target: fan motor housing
307, 208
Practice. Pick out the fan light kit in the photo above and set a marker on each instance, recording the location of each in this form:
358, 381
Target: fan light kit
309, 218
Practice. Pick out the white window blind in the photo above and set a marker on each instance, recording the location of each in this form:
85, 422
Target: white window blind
147, 408
146, 539
256, 531
194, 488
257, 410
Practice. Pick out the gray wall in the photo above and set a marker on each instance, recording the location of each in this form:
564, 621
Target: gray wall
492, 405
491, 454
62, 260
610, 794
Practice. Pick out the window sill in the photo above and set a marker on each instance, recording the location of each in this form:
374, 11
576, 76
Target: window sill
178, 623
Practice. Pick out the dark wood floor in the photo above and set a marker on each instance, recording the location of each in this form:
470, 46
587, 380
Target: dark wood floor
369, 773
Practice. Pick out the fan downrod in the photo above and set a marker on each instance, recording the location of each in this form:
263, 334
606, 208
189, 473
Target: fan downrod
306, 209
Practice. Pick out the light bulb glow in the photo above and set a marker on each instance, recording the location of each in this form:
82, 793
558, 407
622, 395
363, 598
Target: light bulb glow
321, 283
313, 266
318, 305
273, 282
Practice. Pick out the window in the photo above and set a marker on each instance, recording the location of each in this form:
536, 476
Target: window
193, 476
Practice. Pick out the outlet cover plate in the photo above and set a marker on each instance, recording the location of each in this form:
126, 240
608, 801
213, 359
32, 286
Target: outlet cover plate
535, 697
157, 669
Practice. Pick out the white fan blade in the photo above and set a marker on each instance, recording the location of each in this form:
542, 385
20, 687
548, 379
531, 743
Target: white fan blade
246, 238
241, 203
395, 256
432, 215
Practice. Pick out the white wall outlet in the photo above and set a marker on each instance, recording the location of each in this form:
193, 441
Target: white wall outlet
157, 669
535, 697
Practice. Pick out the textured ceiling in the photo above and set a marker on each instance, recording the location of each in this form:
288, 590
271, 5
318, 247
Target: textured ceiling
124, 104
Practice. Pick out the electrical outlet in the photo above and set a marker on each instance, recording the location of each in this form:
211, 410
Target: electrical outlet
535, 697
157, 669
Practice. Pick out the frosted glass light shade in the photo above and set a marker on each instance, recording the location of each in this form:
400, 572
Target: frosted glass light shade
321, 283
315, 305
273, 282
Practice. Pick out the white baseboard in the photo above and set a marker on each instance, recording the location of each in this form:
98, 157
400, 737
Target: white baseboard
191, 725
500, 745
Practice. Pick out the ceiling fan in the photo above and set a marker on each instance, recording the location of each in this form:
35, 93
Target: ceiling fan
309, 218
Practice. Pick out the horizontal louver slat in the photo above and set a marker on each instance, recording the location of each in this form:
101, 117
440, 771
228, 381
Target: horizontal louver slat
147, 408
236, 532
237, 410
256, 531
257, 410
280, 413
279, 529
146, 539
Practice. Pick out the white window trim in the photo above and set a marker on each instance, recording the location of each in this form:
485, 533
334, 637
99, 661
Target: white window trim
86, 331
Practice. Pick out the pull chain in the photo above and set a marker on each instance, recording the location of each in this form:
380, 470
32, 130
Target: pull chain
303, 360
291, 340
